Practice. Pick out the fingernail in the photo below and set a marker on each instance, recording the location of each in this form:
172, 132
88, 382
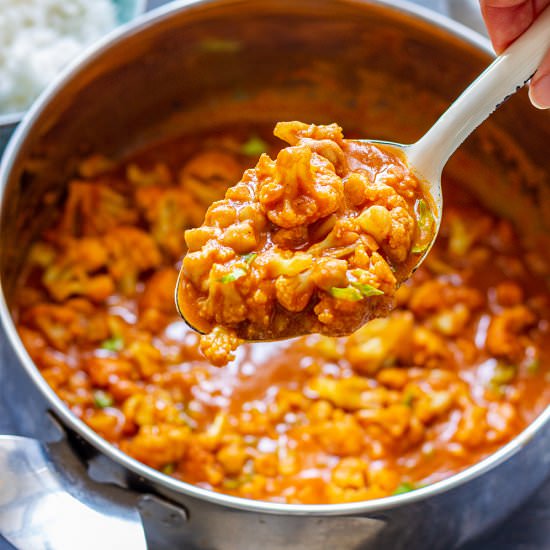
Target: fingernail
539, 92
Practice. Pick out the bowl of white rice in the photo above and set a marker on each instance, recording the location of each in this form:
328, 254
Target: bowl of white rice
38, 38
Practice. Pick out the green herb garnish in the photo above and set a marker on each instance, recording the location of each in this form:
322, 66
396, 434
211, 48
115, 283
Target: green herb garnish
408, 399
405, 487
249, 258
102, 399
254, 147
350, 293
367, 290
168, 469
116, 343
533, 366
425, 221
219, 45
503, 374
460, 240
231, 484
237, 273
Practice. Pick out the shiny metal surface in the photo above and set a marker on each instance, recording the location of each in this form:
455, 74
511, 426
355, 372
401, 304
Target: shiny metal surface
43, 507
437, 56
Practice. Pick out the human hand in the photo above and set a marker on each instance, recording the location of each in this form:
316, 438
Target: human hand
506, 20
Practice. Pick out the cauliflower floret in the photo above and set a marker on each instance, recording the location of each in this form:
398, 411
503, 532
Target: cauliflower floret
169, 212
285, 263
72, 272
350, 472
434, 296
349, 393
218, 345
150, 409
60, 325
157, 175
93, 209
208, 175
393, 419
104, 370
339, 315
146, 356
299, 188
224, 302
292, 132
377, 221
383, 276
342, 237
196, 265
400, 235
159, 291
131, 252
95, 165
341, 436
241, 237
197, 237
329, 272
294, 293
380, 343
504, 336
158, 445
428, 348
361, 190
386, 218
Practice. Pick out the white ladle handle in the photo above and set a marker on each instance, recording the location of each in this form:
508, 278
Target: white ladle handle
509, 72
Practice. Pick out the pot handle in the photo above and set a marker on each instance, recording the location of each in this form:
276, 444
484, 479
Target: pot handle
43, 507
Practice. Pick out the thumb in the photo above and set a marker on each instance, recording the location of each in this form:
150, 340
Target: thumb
539, 90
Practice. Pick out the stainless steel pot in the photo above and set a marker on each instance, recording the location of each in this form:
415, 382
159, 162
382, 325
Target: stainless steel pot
197, 63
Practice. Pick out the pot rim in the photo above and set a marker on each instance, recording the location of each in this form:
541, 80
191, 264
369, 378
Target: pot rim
405, 7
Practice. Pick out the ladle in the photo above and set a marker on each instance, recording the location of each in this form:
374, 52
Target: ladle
509, 72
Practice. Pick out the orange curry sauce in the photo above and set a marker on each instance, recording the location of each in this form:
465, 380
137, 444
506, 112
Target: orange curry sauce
454, 373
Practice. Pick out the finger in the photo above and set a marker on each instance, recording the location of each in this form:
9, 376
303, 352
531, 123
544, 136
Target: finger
503, 3
506, 20
539, 90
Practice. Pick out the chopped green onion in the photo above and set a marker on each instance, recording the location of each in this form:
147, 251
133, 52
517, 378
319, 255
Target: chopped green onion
367, 290
408, 399
116, 343
249, 258
533, 366
349, 293
237, 273
502, 375
168, 469
219, 45
231, 484
425, 220
254, 147
102, 399
403, 488
460, 240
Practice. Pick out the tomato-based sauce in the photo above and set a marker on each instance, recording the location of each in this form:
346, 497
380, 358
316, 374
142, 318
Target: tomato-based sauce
456, 371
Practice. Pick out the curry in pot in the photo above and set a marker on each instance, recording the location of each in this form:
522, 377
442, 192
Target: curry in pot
457, 370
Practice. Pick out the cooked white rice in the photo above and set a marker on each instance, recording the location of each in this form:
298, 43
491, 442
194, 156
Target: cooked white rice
39, 37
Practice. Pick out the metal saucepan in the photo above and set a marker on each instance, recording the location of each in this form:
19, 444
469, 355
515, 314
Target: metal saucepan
197, 63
